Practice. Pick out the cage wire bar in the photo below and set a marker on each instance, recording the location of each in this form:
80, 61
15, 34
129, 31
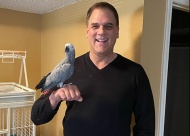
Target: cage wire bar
22, 125
16, 100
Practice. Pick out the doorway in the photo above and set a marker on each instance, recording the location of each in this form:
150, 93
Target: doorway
177, 97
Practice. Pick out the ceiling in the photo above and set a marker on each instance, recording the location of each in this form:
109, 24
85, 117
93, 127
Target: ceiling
35, 6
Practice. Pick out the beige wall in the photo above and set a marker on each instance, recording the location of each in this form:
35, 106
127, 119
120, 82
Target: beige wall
22, 31
153, 46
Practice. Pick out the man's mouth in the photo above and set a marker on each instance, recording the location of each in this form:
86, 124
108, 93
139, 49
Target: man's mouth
101, 40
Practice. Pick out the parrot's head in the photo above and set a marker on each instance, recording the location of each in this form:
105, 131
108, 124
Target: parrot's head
69, 47
70, 52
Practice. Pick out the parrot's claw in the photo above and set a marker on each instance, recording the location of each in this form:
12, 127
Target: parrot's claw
67, 84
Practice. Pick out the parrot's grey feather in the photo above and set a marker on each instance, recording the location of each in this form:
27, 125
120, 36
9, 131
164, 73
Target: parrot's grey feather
62, 71
59, 74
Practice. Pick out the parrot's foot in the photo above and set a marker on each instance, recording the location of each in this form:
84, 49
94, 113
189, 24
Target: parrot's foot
61, 85
67, 84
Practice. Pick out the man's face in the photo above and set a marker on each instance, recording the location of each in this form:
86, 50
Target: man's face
102, 32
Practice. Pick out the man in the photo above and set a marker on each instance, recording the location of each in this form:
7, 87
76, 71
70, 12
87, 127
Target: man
107, 88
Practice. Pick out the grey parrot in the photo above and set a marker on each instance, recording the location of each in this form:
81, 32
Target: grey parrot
61, 72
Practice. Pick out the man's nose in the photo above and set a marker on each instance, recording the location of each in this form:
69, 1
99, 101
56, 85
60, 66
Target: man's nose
101, 30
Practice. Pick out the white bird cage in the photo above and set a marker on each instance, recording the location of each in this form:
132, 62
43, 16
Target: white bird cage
16, 101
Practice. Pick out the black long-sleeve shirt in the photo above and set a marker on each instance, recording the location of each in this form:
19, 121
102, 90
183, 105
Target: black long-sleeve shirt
110, 96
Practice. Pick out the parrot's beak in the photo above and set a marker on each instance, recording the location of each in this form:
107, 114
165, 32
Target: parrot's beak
66, 49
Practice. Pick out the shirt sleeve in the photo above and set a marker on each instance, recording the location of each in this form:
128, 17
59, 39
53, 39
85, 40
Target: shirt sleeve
41, 110
144, 110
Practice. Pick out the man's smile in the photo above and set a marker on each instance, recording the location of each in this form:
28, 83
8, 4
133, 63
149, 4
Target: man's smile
102, 40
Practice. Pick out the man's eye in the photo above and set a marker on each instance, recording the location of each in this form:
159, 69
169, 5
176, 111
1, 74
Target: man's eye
94, 27
108, 27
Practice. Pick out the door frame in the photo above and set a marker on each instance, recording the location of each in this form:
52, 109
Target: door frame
181, 5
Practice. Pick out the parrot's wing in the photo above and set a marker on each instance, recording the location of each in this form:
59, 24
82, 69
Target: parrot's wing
58, 75
64, 61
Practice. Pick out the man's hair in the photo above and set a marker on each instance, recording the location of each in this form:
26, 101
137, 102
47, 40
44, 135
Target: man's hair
102, 5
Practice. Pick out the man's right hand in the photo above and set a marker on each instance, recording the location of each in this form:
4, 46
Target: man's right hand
69, 92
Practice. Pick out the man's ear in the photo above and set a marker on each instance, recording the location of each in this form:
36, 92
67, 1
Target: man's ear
87, 31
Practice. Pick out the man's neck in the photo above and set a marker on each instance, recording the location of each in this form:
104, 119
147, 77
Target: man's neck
102, 61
